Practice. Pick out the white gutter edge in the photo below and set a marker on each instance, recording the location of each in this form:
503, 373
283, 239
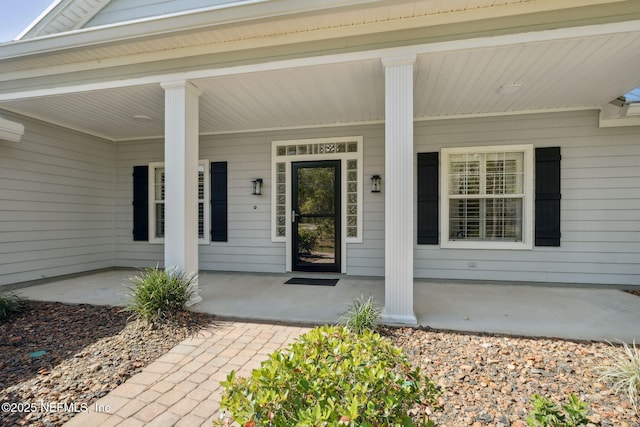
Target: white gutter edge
158, 25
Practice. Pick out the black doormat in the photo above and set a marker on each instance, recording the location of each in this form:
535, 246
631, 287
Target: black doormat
309, 281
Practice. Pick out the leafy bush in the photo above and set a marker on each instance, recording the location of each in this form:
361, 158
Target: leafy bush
158, 294
623, 370
10, 303
331, 377
362, 315
548, 414
307, 240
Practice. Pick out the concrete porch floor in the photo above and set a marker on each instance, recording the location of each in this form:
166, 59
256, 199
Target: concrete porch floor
580, 313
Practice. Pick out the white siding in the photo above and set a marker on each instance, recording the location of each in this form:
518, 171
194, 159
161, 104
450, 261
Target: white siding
56, 203
600, 207
126, 10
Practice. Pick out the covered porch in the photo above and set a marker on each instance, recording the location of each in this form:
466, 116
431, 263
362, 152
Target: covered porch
524, 309
414, 95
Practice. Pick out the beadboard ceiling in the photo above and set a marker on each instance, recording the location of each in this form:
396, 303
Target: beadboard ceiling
562, 74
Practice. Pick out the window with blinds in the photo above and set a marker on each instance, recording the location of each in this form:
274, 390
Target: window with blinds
486, 192
158, 185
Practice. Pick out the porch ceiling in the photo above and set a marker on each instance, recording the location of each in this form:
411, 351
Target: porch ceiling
571, 73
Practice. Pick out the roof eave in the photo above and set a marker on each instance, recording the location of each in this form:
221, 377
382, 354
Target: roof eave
166, 24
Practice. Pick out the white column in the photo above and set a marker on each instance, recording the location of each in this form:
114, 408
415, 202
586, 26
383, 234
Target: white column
181, 111
398, 200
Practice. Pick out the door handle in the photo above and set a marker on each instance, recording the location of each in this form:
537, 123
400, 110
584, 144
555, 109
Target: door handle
294, 216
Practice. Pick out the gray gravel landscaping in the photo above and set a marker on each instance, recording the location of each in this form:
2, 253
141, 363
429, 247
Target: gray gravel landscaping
487, 380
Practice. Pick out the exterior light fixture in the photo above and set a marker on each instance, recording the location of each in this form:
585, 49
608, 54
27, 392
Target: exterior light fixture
376, 183
256, 187
510, 88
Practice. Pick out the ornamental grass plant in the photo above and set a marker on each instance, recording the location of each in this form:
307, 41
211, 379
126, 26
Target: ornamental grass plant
10, 303
158, 295
622, 370
362, 315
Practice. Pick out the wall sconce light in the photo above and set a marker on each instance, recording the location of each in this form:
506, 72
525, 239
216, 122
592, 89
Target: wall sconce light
376, 183
256, 186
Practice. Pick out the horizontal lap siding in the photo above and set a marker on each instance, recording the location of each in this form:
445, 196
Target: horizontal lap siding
249, 246
600, 207
56, 203
600, 216
129, 253
367, 258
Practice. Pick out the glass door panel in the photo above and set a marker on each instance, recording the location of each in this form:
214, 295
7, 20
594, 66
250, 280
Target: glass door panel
316, 216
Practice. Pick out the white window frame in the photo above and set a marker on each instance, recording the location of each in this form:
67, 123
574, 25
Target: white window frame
206, 239
527, 202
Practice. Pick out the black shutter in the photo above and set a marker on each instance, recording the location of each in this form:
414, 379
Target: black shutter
141, 203
218, 201
548, 196
428, 186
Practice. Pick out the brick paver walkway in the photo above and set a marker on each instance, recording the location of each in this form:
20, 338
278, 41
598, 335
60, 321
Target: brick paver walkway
182, 387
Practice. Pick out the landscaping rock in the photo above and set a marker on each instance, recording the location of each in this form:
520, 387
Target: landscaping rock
487, 380
492, 378
90, 351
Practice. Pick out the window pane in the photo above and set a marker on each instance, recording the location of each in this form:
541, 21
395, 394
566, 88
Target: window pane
503, 219
504, 173
201, 220
159, 184
464, 219
200, 185
464, 174
159, 195
485, 219
159, 220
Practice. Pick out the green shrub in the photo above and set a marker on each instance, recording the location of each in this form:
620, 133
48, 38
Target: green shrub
548, 414
158, 295
623, 369
362, 315
307, 240
330, 377
10, 303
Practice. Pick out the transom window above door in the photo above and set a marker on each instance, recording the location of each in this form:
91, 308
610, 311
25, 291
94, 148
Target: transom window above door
487, 197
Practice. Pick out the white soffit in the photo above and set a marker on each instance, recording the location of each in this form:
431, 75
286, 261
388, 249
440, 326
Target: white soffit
570, 73
347, 18
575, 73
